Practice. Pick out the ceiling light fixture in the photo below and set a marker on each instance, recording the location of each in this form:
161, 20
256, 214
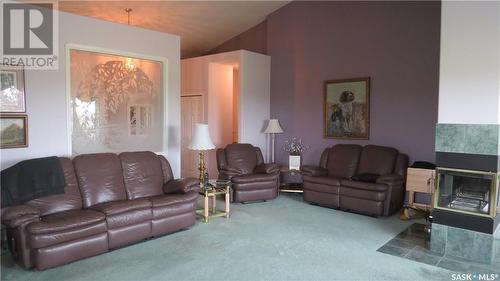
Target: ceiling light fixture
129, 64
128, 11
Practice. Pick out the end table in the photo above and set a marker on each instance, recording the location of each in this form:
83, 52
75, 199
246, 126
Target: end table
216, 189
290, 180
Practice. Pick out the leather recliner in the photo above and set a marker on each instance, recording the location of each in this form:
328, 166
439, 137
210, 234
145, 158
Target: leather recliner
110, 201
368, 180
251, 179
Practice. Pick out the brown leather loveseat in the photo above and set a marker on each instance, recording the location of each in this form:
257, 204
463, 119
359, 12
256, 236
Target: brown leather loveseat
367, 180
244, 165
110, 201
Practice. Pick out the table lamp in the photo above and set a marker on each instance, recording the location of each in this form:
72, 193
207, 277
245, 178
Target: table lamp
273, 128
201, 141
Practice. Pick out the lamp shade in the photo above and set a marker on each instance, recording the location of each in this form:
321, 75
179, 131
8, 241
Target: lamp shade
201, 138
273, 127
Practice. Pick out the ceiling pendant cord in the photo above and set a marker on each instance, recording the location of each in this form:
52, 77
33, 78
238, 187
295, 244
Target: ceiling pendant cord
128, 11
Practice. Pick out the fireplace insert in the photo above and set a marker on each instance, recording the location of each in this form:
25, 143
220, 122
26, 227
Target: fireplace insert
466, 191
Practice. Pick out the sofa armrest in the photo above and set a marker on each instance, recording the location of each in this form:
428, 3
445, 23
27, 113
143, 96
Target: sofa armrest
391, 178
184, 185
395, 193
14, 216
270, 168
314, 171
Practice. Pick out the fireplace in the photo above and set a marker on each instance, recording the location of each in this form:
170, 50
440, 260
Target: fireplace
467, 199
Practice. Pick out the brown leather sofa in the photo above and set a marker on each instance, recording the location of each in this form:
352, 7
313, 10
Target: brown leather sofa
244, 165
110, 201
368, 180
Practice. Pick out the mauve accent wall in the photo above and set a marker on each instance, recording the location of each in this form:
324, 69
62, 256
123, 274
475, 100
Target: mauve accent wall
394, 43
254, 39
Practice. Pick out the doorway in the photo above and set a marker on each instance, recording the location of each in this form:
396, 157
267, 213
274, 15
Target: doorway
210, 96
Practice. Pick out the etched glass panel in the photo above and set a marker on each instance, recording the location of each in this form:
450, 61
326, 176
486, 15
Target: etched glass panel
117, 103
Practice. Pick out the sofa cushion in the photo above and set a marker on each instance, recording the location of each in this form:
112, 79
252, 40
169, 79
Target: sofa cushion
366, 177
175, 204
100, 178
379, 160
241, 156
255, 178
174, 210
362, 193
132, 217
41, 240
343, 160
271, 186
69, 200
65, 220
364, 185
117, 207
172, 199
322, 180
142, 174
321, 188
363, 206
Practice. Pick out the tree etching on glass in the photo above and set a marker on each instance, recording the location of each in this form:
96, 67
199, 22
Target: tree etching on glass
116, 81
113, 85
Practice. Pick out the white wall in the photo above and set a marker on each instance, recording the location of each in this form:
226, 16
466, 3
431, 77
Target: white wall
469, 87
46, 90
220, 109
255, 98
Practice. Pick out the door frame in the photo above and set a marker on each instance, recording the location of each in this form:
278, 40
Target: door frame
191, 95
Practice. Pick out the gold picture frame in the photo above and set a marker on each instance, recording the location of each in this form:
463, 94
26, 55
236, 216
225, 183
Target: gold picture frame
347, 108
13, 131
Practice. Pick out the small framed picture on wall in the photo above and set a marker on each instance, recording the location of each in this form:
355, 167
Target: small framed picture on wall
347, 108
13, 131
12, 95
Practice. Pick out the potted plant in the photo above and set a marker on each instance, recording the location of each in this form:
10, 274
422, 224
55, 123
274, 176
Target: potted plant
294, 147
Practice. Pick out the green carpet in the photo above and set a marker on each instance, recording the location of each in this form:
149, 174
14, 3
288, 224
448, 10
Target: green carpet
283, 239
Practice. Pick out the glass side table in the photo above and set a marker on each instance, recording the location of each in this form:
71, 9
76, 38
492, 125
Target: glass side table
210, 194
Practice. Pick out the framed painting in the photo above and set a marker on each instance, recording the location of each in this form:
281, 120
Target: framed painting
13, 131
12, 96
347, 109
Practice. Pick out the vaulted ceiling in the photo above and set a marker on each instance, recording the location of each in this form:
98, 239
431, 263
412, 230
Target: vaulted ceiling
202, 25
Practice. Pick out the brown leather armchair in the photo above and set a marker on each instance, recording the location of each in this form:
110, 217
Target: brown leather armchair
110, 201
252, 180
368, 180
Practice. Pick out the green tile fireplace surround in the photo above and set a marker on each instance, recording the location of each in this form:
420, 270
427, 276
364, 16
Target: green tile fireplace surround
483, 139
468, 146
472, 148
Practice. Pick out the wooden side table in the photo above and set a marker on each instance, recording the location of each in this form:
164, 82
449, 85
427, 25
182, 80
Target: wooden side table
290, 180
210, 194
422, 181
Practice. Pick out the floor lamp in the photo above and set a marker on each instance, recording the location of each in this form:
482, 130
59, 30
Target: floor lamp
201, 141
273, 128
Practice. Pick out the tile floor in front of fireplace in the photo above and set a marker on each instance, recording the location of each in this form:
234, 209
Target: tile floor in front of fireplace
414, 244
